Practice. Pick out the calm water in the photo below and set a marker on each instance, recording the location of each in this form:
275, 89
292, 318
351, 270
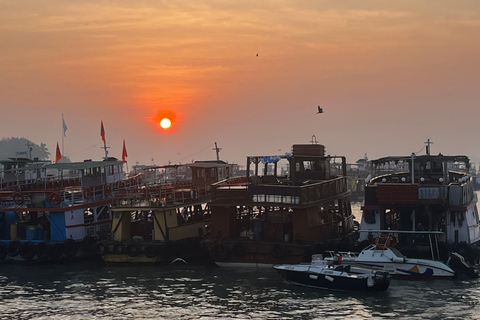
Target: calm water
94, 291
91, 290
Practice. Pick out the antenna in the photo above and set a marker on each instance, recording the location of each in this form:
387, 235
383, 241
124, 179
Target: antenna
217, 150
428, 143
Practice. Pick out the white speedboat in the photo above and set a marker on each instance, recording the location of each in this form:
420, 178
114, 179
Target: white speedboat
380, 256
321, 273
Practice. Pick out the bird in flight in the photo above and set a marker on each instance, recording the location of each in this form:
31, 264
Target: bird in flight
257, 54
320, 110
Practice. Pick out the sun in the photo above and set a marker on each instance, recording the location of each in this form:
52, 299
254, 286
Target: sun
165, 123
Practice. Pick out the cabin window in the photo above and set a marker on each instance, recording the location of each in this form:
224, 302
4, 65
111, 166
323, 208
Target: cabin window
212, 173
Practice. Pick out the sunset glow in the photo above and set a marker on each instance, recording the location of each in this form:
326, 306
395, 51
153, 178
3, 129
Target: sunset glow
369, 64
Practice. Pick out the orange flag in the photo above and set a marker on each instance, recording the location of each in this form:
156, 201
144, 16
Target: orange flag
124, 152
102, 132
58, 155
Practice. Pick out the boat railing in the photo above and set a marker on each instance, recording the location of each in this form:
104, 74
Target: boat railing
160, 196
281, 194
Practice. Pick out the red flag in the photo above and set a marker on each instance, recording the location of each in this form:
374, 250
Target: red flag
102, 132
58, 155
124, 152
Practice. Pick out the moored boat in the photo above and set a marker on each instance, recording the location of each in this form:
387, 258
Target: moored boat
383, 256
423, 192
278, 214
165, 219
321, 273
52, 211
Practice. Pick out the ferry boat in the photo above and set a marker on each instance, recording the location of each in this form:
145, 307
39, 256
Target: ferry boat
165, 219
280, 215
50, 211
423, 192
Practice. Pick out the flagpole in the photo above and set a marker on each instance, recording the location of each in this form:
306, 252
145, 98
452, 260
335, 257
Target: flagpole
63, 133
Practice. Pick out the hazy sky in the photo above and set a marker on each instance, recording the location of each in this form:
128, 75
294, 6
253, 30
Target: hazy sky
389, 75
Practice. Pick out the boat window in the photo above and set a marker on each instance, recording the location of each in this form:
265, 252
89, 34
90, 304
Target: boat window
475, 214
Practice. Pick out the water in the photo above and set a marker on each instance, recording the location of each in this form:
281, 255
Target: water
94, 291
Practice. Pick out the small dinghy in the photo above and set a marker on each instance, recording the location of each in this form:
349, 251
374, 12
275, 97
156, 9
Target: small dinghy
332, 275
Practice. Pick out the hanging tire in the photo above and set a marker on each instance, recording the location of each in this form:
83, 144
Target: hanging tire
118, 247
133, 249
239, 249
152, 250
42, 251
3, 251
278, 251
168, 249
70, 248
13, 248
28, 250
100, 248
56, 250
219, 252
88, 242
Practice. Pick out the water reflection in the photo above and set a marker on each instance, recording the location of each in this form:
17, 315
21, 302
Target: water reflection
95, 291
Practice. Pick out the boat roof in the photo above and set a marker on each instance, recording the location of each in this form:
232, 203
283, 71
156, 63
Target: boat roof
68, 165
439, 157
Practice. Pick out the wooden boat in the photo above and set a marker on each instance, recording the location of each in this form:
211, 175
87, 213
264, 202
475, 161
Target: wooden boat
423, 192
324, 274
166, 218
52, 211
276, 215
384, 257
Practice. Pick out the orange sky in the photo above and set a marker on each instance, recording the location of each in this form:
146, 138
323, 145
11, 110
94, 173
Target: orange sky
389, 75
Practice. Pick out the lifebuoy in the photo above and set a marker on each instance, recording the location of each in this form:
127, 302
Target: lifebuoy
18, 198
133, 249
219, 252
28, 250
278, 250
56, 198
70, 248
107, 189
87, 192
118, 248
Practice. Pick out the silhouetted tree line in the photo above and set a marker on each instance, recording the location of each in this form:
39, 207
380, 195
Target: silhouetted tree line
22, 148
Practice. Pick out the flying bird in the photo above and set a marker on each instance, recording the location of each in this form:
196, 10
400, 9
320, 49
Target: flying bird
320, 110
257, 54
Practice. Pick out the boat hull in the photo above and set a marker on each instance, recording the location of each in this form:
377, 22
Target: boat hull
332, 280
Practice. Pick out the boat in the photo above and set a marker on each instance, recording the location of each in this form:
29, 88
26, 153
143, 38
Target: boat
165, 219
383, 256
321, 273
51, 211
423, 193
281, 210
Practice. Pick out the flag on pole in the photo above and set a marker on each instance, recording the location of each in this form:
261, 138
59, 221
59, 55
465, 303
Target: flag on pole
64, 127
58, 155
102, 132
124, 152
